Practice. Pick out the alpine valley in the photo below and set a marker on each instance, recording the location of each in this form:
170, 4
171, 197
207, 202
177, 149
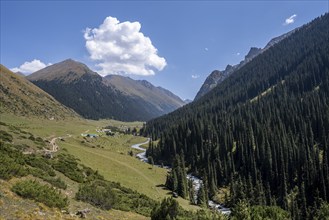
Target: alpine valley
254, 144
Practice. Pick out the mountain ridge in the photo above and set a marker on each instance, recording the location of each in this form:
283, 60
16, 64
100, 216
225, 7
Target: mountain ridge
93, 96
261, 132
58, 71
214, 78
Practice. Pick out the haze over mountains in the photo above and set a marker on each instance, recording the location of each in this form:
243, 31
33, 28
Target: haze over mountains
216, 77
92, 96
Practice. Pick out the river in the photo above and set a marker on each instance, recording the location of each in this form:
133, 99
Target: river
196, 181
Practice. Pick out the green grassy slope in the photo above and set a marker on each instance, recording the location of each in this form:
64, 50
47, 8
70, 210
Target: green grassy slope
109, 155
21, 97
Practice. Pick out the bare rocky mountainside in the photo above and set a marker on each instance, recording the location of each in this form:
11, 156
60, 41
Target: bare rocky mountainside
94, 97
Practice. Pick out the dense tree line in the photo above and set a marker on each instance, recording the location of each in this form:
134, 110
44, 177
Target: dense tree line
264, 131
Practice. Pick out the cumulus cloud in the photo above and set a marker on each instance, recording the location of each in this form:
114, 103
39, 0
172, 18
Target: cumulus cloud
290, 20
120, 48
238, 54
30, 67
194, 76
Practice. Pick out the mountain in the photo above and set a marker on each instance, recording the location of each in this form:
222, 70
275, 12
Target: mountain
216, 77
21, 97
92, 96
160, 99
20, 74
187, 101
262, 134
212, 81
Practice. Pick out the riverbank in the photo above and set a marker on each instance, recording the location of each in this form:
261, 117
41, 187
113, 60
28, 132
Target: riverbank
196, 181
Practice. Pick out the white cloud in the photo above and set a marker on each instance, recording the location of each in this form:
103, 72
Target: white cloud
194, 76
238, 54
30, 67
206, 49
290, 20
120, 48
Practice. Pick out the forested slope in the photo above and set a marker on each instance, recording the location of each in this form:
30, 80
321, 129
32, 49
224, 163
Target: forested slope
263, 132
75, 85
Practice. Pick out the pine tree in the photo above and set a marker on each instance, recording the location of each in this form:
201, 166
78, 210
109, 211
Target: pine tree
202, 200
191, 192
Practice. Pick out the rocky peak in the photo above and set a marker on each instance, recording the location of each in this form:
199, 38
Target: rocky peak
253, 52
216, 77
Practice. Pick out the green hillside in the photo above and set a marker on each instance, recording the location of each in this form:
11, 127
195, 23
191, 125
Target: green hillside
80, 164
21, 97
263, 133
49, 167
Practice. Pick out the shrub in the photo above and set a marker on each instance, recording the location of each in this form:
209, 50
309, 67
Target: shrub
268, 212
68, 165
168, 209
56, 182
5, 136
322, 212
12, 162
243, 210
41, 163
107, 195
9, 168
98, 194
40, 193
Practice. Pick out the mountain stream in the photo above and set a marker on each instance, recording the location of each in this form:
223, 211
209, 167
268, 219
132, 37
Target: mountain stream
196, 181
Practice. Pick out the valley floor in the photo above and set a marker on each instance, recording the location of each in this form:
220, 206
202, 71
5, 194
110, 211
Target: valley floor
111, 156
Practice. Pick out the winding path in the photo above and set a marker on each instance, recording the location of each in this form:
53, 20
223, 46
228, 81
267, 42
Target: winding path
54, 145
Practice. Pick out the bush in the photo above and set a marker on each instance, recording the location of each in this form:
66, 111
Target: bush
11, 161
68, 165
322, 212
268, 212
243, 210
5, 136
168, 209
9, 168
56, 182
98, 194
40, 193
107, 195
41, 163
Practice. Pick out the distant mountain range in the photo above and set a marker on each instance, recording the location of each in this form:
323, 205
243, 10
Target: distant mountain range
216, 77
21, 97
94, 97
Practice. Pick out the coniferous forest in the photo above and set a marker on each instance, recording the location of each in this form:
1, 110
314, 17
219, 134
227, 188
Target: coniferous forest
263, 133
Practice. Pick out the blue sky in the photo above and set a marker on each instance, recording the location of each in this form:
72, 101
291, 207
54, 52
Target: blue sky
172, 44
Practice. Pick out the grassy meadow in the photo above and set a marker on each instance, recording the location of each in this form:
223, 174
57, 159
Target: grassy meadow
109, 155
